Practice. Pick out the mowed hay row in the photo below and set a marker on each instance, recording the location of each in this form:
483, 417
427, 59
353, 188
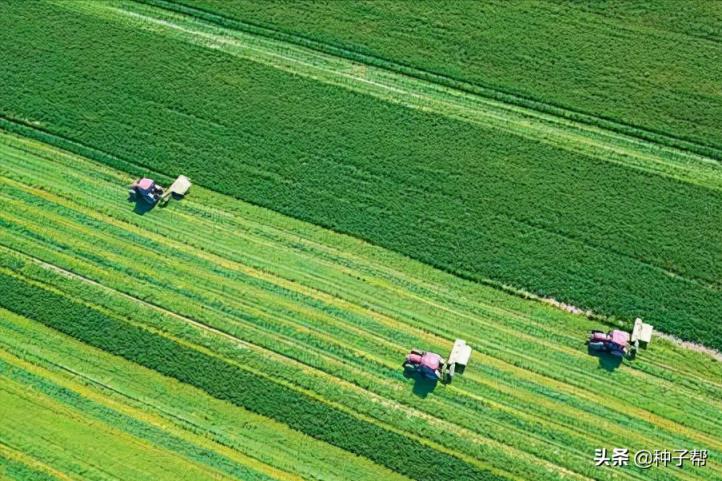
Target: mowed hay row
341, 349
557, 219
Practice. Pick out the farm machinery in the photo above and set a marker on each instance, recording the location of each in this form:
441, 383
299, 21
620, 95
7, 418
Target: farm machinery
621, 343
148, 191
432, 366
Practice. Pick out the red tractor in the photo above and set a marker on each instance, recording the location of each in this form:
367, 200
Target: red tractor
429, 364
614, 342
621, 343
147, 190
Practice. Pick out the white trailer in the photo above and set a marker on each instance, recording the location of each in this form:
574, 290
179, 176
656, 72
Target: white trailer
642, 332
460, 354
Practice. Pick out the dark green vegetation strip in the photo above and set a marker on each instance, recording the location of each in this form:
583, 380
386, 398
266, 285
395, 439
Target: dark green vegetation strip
15, 470
649, 70
477, 202
228, 382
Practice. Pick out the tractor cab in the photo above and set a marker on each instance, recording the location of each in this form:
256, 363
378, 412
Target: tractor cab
614, 342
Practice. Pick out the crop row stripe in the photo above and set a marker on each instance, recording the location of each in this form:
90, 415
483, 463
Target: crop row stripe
188, 364
148, 418
55, 351
61, 410
11, 453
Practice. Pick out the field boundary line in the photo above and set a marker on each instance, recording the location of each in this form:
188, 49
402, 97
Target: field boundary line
68, 411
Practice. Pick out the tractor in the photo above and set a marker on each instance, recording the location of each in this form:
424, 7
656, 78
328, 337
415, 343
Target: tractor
614, 342
428, 364
621, 343
151, 193
147, 190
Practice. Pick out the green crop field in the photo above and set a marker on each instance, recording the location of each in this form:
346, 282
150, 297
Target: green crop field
289, 325
494, 191
357, 192
660, 58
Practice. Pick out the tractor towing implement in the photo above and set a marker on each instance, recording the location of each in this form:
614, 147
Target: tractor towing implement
432, 366
151, 193
621, 343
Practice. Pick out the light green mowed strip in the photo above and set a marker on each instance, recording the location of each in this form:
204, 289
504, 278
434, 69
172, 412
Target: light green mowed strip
333, 316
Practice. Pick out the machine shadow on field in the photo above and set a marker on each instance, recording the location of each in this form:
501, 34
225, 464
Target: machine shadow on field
141, 206
422, 386
607, 361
